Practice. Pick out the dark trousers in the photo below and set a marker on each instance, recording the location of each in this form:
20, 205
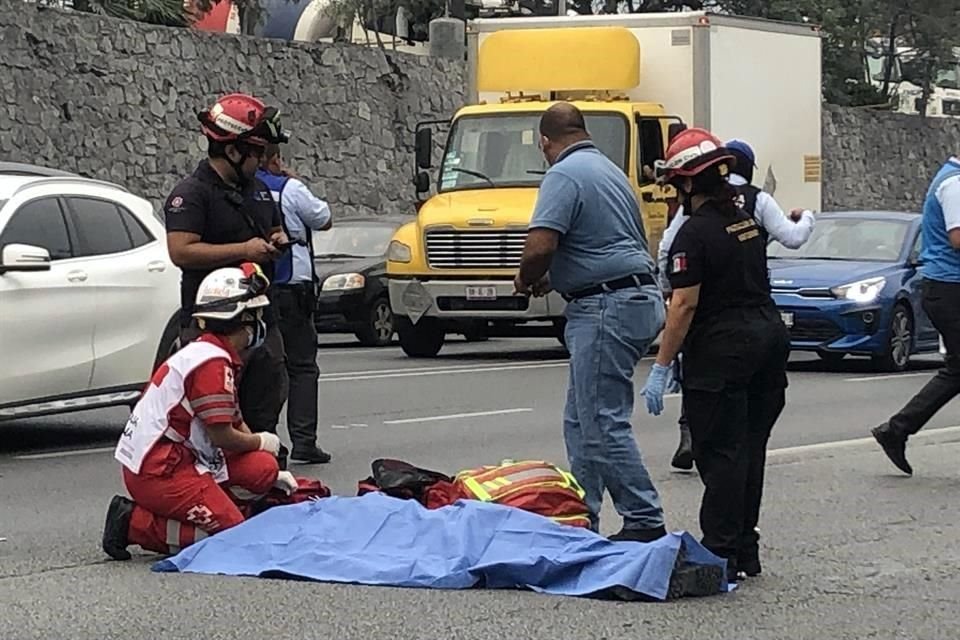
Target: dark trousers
941, 302
263, 381
731, 406
295, 306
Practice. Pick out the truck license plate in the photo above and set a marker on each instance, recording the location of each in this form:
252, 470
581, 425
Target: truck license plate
787, 319
481, 293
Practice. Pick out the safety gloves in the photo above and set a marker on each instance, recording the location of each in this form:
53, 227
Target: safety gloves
269, 442
286, 482
656, 386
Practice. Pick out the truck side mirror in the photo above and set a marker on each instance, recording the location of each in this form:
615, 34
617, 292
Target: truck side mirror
674, 129
422, 182
423, 147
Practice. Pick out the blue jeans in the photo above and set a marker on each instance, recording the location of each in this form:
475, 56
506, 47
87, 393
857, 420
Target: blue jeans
606, 336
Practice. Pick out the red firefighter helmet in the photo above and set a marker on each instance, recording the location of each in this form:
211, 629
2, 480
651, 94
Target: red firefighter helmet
693, 151
240, 117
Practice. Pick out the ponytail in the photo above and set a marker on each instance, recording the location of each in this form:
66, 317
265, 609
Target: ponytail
714, 185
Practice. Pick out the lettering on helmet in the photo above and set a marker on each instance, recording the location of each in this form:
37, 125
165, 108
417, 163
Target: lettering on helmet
679, 263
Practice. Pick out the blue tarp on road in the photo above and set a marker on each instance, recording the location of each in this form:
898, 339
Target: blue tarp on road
379, 540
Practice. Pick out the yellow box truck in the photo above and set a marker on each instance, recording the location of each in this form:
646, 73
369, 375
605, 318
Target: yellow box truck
639, 79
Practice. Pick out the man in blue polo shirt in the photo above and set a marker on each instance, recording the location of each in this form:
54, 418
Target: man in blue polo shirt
587, 233
941, 302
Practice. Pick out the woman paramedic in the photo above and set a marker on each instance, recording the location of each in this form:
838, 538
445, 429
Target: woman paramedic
734, 344
186, 445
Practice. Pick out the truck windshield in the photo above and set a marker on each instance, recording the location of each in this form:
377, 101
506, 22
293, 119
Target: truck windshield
504, 151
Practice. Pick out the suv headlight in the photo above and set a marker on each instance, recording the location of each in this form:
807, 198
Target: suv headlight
343, 282
398, 252
860, 291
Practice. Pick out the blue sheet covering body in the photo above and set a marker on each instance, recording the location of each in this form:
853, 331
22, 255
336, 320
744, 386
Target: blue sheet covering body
379, 540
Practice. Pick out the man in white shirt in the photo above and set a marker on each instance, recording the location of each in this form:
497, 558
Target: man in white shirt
792, 232
295, 281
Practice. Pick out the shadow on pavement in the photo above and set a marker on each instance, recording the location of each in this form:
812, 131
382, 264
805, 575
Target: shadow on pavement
859, 366
60, 433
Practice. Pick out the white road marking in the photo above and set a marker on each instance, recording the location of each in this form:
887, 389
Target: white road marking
454, 416
321, 351
412, 373
337, 374
890, 376
63, 454
841, 444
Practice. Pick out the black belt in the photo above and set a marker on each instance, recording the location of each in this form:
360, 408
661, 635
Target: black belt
633, 280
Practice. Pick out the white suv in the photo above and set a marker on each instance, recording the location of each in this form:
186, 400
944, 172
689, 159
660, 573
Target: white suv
88, 294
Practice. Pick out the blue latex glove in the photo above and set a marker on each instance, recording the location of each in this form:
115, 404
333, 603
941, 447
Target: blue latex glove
654, 389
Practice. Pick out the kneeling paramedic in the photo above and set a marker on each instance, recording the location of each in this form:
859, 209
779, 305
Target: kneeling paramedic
186, 444
735, 346
791, 231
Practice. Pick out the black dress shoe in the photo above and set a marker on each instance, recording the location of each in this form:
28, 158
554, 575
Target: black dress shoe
894, 445
639, 535
750, 566
116, 528
314, 455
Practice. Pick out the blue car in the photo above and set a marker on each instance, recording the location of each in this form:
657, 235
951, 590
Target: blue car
853, 289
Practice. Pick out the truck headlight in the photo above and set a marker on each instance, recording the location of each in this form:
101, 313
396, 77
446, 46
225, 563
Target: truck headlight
398, 252
343, 282
860, 291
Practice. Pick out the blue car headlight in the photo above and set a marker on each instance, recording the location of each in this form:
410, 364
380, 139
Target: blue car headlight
863, 291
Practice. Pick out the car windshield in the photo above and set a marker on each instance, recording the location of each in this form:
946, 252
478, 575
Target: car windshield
852, 239
504, 150
345, 240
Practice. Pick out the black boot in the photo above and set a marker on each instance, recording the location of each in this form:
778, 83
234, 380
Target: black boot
749, 564
116, 528
639, 535
894, 445
311, 455
683, 458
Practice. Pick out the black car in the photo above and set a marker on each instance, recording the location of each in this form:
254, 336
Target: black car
351, 264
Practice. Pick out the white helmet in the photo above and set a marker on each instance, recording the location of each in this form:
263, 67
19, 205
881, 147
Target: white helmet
225, 293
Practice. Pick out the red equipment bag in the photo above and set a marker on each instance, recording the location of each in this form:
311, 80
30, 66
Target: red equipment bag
307, 489
531, 485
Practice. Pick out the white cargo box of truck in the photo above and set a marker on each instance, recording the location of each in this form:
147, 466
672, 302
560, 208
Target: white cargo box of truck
752, 79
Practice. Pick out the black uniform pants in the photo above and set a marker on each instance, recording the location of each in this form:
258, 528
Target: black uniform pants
295, 306
734, 392
941, 302
263, 381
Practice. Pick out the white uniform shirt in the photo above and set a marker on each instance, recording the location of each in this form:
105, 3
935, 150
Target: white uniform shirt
768, 215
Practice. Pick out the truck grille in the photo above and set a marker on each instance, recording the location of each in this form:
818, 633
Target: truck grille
475, 249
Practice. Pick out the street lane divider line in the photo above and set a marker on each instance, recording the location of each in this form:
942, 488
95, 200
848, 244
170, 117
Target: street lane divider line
842, 444
452, 367
413, 373
63, 454
456, 416
891, 376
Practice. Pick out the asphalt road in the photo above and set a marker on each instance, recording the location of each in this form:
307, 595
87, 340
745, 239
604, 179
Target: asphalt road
852, 548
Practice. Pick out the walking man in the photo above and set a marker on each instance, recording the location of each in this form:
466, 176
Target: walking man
295, 282
941, 302
586, 232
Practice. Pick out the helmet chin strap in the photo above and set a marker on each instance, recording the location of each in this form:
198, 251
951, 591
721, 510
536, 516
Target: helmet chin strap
245, 152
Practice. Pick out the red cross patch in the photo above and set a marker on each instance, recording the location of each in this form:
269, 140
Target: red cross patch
679, 263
